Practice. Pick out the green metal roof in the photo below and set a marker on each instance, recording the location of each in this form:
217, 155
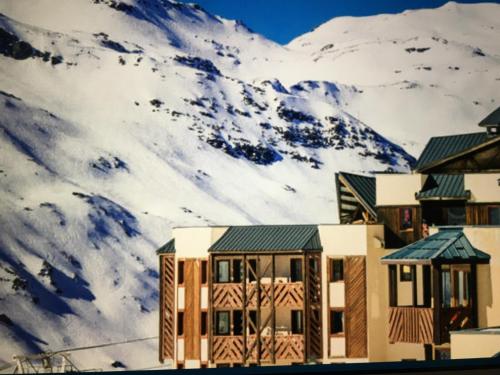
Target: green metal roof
446, 246
364, 189
443, 186
443, 147
168, 248
492, 119
268, 238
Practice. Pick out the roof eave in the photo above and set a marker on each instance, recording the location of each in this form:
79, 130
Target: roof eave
438, 162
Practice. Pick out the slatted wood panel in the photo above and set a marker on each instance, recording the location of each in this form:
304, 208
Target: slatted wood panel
289, 295
228, 349
227, 295
167, 299
192, 309
355, 307
411, 325
476, 214
230, 295
313, 310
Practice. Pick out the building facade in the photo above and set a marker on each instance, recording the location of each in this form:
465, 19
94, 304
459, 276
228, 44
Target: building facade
415, 258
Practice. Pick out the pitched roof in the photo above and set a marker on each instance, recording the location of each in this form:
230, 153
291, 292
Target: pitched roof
168, 248
268, 238
443, 147
363, 188
443, 186
492, 119
446, 246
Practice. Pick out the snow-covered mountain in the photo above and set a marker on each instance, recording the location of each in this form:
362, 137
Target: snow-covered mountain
121, 119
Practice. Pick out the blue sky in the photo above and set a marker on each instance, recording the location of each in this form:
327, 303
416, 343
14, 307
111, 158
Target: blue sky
283, 20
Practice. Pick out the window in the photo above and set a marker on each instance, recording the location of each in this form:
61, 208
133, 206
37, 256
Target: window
405, 273
237, 322
180, 323
337, 270
222, 323
204, 323
405, 218
252, 270
446, 285
237, 271
222, 271
296, 270
494, 215
462, 280
336, 322
180, 272
297, 321
455, 215
252, 317
204, 265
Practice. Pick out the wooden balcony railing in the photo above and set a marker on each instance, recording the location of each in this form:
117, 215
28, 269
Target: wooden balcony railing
287, 348
411, 324
230, 295
416, 324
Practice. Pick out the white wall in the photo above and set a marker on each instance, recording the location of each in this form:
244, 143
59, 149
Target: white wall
194, 242
398, 189
484, 187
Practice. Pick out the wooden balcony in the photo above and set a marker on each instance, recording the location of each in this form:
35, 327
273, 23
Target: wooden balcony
416, 324
411, 324
288, 348
230, 295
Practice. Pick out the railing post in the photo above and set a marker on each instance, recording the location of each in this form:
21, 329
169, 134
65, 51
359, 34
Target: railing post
244, 310
273, 312
437, 290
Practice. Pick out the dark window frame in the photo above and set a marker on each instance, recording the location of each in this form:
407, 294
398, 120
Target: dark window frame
204, 272
297, 330
331, 322
204, 323
489, 209
180, 323
334, 278
294, 278
180, 272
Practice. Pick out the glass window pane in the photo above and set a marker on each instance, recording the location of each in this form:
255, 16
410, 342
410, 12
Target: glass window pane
494, 215
456, 215
446, 281
237, 271
223, 271
337, 270
222, 322
296, 270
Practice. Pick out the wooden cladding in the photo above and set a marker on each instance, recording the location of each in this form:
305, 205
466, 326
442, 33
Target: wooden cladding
355, 307
230, 295
314, 344
192, 309
167, 303
394, 236
477, 214
411, 325
230, 349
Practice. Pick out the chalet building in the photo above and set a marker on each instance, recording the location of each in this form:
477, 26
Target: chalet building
414, 260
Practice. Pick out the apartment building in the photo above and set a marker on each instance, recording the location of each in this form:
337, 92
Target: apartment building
415, 259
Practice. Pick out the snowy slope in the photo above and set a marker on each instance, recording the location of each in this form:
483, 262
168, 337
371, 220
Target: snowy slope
122, 119
421, 73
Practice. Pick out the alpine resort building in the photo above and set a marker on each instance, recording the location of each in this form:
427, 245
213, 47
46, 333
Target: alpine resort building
410, 273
